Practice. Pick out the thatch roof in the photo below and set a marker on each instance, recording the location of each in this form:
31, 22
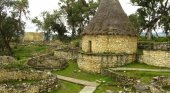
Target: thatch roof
110, 19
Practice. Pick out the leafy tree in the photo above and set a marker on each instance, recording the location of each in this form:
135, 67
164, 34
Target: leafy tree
10, 26
51, 23
78, 13
153, 14
21, 8
134, 19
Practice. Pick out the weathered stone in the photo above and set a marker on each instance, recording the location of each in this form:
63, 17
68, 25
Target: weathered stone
46, 82
161, 81
32, 36
66, 53
141, 88
121, 79
153, 89
48, 62
156, 58
97, 62
5, 60
109, 44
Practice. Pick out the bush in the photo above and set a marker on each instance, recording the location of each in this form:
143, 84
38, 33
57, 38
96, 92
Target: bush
76, 42
159, 39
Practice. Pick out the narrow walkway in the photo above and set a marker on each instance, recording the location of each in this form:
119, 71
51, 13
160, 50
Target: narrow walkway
90, 87
139, 69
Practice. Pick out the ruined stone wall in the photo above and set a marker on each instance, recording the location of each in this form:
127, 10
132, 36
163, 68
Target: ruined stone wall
66, 53
110, 44
95, 63
32, 36
156, 58
45, 81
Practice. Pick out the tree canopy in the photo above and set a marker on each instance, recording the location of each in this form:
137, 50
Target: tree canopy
11, 25
152, 15
50, 24
78, 13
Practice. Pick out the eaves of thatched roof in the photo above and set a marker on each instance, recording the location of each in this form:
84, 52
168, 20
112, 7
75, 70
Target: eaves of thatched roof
110, 19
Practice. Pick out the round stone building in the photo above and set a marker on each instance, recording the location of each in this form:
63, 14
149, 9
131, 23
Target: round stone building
109, 40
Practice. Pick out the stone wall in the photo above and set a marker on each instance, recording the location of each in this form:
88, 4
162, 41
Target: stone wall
47, 62
32, 36
45, 81
6, 75
154, 45
156, 58
95, 63
109, 44
66, 53
6, 60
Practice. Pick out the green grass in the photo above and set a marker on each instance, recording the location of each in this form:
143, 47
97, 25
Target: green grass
73, 71
15, 82
22, 52
142, 65
159, 39
103, 87
67, 87
144, 76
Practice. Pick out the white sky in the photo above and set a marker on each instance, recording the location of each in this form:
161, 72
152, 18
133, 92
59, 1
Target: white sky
38, 6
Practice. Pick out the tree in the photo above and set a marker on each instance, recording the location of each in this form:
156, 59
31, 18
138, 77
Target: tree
21, 8
78, 13
153, 14
134, 19
51, 23
9, 25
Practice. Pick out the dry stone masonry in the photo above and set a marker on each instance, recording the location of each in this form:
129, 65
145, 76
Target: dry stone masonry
66, 53
156, 58
6, 60
45, 81
47, 62
109, 40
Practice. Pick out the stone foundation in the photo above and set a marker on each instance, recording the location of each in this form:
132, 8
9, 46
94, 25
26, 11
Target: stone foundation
47, 62
45, 81
156, 58
95, 63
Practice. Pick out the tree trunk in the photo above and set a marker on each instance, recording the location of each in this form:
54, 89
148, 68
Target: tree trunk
5, 44
73, 31
149, 34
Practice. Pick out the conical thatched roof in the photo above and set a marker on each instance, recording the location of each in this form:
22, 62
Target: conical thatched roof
110, 19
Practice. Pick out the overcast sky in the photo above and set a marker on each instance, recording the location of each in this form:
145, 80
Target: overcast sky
38, 6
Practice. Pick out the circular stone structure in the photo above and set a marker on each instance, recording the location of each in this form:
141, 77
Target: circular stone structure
47, 62
109, 40
28, 81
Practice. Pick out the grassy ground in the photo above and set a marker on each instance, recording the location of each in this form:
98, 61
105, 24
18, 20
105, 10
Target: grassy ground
73, 71
15, 82
144, 76
22, 52
109, 84
67, 87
